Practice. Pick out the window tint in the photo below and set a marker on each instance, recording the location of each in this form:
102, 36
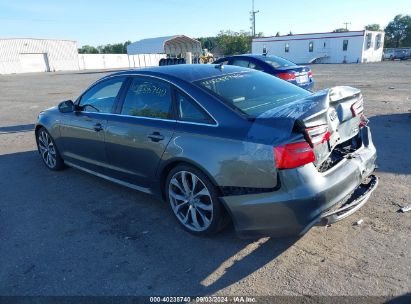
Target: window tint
241, 62
311, 46
255, 66
345, 45
253, 93
147, 98
101, 97
223, 61
190, 111
278, 62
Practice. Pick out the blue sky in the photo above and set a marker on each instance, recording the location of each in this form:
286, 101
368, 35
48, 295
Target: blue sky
100, 22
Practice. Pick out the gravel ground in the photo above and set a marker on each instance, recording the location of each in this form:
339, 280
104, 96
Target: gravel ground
69, 233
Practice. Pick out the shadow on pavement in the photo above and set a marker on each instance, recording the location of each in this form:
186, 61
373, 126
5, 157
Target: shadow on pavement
391, 136
70, 233
16, 129
403, 299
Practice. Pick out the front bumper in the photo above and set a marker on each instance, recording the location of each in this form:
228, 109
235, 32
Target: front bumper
305, 196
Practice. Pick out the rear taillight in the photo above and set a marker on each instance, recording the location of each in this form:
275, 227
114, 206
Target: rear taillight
286, 76
310, 74
317, 135
358, 107
293, 155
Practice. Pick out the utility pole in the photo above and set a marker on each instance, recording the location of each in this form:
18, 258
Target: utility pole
346, 25
252, 19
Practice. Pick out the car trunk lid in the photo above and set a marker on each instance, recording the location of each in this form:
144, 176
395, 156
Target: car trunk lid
300, 74
326, 119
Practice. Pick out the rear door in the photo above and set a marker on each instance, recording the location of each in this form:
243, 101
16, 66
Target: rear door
138, 135
83, 132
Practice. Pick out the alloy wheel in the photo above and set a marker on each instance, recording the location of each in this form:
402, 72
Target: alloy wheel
47, 149
191, 201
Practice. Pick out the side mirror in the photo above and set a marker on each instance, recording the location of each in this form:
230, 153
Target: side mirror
66, 106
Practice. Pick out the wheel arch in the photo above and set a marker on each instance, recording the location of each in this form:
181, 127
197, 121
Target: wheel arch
167, 167
36, 130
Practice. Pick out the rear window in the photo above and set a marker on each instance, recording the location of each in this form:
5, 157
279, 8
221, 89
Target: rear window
278, 62
253, 93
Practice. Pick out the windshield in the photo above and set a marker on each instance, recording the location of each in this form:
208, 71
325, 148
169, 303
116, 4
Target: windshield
278, 62
253, 93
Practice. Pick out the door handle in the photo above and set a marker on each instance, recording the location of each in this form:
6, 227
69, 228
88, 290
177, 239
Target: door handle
156, 136
98, 127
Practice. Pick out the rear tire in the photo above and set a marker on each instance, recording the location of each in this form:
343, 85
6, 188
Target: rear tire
194, 201
48, 150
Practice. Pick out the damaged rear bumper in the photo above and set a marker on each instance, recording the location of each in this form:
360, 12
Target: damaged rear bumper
354, 202
307, 197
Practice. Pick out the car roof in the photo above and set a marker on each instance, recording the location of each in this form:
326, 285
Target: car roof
186, 72
257, 56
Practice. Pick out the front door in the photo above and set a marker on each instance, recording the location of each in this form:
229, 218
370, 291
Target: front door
83, 132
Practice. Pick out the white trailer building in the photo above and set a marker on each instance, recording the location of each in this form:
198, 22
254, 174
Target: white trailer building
342, 47
24, 55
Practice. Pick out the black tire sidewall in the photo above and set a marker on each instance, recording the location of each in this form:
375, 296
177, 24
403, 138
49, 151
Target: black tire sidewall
59, 161
218, 214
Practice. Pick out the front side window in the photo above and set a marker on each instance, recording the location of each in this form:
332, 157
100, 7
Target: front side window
101, 97
345, 45
287, 47
252, 93
148, 97
311, 46
188, 110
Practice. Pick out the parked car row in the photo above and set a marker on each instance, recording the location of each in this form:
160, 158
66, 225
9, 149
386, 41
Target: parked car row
401, 54
277, 66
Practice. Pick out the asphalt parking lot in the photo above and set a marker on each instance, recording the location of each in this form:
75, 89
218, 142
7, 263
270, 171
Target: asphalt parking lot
69, 233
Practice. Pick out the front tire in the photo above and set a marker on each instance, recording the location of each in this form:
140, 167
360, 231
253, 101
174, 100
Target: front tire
194, 200
48, 150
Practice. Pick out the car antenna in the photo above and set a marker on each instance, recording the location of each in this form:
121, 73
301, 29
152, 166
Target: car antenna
220, 66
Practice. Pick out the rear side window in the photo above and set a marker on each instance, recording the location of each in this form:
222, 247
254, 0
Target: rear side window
101, 97
148, 97
188, 110
255, 66
253, 93
241, 63
278, 62
247, 64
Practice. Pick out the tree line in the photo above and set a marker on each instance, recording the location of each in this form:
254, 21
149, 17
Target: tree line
397, 34
116, 48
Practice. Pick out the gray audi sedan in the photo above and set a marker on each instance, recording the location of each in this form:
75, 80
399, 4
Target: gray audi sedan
220, 143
